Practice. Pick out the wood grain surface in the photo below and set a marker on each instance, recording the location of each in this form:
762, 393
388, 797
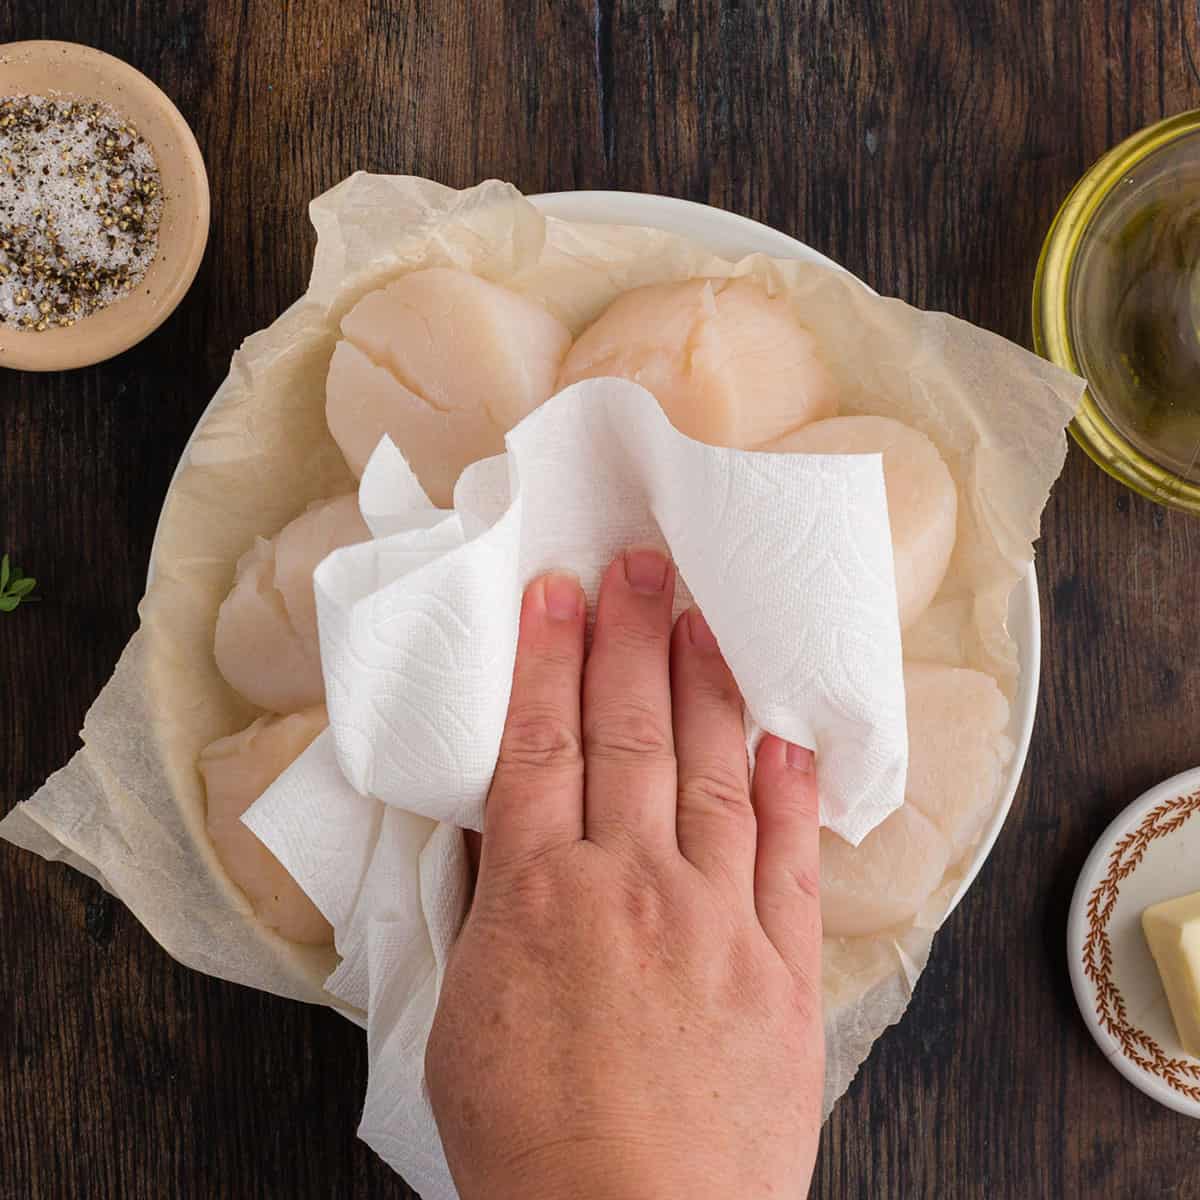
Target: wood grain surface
925, 146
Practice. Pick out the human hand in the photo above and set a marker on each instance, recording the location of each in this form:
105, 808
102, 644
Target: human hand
633, 1007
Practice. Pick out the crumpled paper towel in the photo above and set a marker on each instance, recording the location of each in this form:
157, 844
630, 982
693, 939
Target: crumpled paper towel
129, 808
787, 555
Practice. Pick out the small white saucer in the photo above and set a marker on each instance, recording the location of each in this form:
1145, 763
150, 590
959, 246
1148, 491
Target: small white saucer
1151, 852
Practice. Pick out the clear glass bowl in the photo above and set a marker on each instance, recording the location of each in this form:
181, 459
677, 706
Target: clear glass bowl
1117, 300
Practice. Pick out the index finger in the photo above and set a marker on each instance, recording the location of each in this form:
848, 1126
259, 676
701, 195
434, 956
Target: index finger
536, 798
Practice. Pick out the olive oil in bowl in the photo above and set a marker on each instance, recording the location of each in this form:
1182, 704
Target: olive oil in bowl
1118, 301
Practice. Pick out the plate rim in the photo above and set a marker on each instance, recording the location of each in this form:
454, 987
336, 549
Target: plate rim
1147, 1083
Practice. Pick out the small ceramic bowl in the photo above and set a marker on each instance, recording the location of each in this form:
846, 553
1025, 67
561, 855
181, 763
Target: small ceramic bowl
1117, 300
1150, 853
65, 69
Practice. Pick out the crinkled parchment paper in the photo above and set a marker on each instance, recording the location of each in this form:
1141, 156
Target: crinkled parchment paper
128, 809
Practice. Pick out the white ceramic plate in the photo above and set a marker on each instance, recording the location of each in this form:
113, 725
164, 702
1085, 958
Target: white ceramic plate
1150, 853
734, 237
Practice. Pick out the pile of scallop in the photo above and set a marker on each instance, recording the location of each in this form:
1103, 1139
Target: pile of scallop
445, 363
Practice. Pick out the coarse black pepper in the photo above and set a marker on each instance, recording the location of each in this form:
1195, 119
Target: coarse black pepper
80, 205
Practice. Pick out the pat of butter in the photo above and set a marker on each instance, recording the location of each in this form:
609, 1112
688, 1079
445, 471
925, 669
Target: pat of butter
1173, 931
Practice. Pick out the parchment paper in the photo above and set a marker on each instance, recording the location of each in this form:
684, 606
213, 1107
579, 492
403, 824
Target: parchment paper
128, 810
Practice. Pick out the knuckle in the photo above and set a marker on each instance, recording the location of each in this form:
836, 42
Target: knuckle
719, 787
640, 902
788, 808
716, 688
526, 895
537, 736
646, 903
531, 890
805, 883
550, 659
634, 639
627, 729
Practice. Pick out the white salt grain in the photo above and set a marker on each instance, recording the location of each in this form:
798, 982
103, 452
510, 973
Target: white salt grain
80, 204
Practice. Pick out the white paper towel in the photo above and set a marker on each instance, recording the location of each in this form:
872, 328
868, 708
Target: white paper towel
788, 556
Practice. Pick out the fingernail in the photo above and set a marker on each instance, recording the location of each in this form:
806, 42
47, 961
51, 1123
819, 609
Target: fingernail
801, 758
563, 596
646, 570
700, 632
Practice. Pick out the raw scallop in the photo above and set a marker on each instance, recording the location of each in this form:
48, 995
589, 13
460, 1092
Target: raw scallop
922, 501
445, 363
237, 770
957, 748
885, 879
266, 639
730, 365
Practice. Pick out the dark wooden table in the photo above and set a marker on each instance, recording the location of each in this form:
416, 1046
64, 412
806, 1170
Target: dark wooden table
925, 146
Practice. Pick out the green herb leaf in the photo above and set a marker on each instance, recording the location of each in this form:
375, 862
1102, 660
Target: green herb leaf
15, 586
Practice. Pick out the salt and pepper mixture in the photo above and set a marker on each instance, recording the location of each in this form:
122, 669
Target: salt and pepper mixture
80, 204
